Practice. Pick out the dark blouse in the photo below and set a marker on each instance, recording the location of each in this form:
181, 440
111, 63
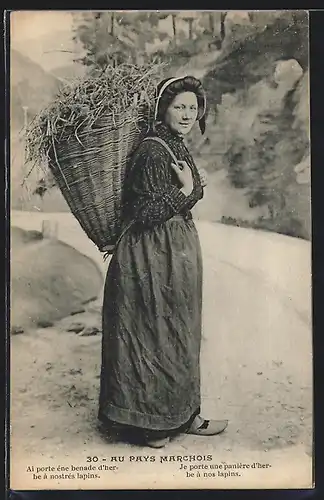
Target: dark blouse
152, 188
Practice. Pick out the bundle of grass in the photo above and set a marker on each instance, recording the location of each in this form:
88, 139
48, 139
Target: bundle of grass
86, 137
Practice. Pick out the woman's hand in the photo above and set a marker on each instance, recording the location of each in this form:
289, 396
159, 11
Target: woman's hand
203, 177
184, 174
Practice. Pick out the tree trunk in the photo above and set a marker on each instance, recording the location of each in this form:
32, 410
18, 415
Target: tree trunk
222, 25
211, 22
190, 22
112, 28
174, 27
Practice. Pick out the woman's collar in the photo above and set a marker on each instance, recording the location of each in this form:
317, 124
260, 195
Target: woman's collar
165, 132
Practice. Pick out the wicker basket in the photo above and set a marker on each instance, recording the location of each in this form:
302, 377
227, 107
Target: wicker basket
90, 168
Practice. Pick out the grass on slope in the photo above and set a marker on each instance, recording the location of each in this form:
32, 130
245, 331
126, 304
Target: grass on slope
49, 279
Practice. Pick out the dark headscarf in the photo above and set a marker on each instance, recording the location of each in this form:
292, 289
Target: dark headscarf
169, 88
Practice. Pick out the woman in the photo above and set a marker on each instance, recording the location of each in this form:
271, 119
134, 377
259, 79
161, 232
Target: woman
150, 377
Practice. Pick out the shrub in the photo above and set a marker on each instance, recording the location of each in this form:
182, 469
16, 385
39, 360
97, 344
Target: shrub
287, 225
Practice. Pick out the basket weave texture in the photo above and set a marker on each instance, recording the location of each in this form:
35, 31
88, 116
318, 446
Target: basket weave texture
90, 169
86, 136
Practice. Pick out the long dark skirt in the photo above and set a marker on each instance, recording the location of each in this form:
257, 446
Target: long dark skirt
150, 375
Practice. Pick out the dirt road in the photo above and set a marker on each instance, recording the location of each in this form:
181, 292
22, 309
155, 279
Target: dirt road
256, 371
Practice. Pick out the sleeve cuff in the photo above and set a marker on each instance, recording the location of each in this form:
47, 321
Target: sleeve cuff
176, 199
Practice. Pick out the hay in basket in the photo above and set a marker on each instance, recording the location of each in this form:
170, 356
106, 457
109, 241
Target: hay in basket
86, 137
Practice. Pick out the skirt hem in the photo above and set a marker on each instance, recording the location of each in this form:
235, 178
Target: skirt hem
145, 421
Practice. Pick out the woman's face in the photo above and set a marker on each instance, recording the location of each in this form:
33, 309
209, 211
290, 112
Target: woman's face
182, 113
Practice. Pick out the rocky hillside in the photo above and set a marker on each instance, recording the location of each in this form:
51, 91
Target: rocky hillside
258, 125
251, 56
31, 86
69, 72
256, 148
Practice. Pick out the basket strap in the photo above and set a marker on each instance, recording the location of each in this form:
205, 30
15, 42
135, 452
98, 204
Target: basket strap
171, 153
165, 145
